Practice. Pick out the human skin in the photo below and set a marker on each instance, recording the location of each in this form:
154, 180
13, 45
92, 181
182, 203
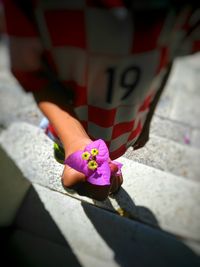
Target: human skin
73, 137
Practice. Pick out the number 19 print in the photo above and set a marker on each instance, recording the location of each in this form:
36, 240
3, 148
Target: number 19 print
121, 80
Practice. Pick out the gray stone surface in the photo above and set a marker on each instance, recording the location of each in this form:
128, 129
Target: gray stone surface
186, 108
185, 73
4, 60
112, 240
196, 138
30, 250
170, 200
166, 101
7, 78
17, 106
169, 156
172, 130
175, 131
13, 188
34, 158
181, 97
86, 236
149, 195
195, 246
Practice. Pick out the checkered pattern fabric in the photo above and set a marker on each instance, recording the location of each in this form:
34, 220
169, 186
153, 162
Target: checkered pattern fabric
109, 56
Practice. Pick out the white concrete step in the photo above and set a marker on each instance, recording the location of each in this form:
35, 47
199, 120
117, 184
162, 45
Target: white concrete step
4, 60
100, 238
175, 131
15, 105
50, 229
152, 196
13, 188
181, 98
169, 156
177, 114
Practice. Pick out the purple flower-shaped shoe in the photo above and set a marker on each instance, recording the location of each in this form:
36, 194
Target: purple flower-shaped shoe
93, 161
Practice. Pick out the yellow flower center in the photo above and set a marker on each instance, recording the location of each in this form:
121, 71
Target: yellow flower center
86, 155
92, 165
94, 151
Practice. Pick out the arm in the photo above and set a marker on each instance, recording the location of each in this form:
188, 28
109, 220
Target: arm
53, 105
73, 137
32, 70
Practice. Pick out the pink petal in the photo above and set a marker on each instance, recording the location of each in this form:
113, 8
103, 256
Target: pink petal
119, 165
101, 176
76, 162
102, 148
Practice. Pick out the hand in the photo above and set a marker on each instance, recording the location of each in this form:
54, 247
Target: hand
75, 180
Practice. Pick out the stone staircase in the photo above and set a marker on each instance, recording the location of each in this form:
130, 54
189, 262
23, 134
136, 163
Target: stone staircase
169, 156
153, 220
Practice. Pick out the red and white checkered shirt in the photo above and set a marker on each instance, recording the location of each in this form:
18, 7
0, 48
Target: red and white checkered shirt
111, 57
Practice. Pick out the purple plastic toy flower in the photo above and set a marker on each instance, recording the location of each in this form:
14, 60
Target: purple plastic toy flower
93, 161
